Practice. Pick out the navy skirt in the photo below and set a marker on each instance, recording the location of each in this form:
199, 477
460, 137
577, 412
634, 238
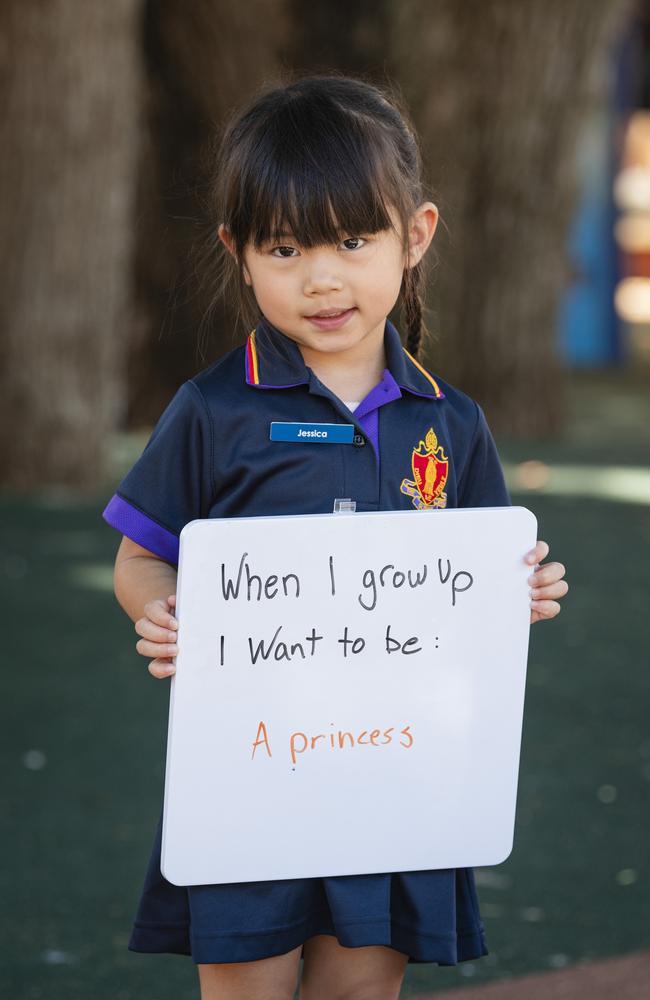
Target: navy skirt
431, 916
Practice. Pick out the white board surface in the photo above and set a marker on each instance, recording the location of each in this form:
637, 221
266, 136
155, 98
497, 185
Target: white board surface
348, 695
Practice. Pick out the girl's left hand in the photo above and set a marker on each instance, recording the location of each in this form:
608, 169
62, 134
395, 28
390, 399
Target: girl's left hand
546, 583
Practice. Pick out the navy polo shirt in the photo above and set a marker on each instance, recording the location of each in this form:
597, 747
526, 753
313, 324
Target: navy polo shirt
417, 442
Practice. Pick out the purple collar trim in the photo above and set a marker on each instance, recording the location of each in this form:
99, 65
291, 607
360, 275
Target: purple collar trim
384, 392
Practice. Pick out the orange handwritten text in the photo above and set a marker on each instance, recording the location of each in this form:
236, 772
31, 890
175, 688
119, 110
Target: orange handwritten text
300, 743
261, 739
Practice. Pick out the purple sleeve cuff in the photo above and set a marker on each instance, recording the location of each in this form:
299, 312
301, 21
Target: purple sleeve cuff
141, 529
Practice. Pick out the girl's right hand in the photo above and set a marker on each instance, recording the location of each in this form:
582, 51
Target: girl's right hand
158, 630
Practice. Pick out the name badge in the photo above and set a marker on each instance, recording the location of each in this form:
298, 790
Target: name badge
312, 433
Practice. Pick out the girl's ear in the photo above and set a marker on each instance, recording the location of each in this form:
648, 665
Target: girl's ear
227, 240
421, 229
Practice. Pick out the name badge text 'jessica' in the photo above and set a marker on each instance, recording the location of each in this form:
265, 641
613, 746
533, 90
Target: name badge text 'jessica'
312, 433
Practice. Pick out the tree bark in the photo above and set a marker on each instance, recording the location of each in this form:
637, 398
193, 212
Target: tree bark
498, 91
201, 60
68, 128
353, 38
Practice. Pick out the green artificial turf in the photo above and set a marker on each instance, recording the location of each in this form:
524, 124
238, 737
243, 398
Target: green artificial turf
84, 732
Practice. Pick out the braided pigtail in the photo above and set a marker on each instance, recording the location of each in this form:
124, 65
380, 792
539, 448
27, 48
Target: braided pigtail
413, 304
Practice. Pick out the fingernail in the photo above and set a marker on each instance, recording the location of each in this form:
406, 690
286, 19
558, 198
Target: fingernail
173, 623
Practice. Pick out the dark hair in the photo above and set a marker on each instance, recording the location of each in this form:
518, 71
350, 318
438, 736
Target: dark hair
321, 157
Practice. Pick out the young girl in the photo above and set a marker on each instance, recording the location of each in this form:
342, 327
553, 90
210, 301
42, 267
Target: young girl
323, 222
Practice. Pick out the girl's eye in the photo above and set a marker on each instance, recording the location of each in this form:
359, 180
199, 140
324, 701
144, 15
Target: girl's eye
284, 251
353, 239
291, 251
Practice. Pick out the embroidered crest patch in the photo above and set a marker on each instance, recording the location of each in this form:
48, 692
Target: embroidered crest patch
430, 469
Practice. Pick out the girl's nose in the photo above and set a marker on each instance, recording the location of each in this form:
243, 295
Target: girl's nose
322, 275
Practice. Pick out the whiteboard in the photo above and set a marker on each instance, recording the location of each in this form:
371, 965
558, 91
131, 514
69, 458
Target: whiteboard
348, 695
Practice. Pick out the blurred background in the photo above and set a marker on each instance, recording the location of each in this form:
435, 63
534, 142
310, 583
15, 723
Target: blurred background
535, 126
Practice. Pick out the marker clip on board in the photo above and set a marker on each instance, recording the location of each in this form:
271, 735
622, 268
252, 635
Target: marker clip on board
344, 506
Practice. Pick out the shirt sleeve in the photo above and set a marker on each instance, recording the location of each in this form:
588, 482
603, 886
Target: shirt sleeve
171, 483
482, 483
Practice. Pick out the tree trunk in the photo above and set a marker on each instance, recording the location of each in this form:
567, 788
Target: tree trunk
353, 38
68, 137
498, 90
202, 60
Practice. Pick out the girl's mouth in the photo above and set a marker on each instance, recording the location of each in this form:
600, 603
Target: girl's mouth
333, 321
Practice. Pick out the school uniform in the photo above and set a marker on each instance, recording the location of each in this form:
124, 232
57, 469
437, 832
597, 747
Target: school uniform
415, 441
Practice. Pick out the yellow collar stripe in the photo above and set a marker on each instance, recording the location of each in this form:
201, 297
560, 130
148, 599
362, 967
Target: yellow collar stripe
252, 365
424, 372
251, 359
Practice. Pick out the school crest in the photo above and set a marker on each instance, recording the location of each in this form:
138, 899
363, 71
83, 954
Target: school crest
430, 469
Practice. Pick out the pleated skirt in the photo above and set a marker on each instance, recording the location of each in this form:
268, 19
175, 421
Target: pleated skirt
431, 916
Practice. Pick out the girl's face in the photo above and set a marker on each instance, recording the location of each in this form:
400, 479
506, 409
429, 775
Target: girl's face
358, 280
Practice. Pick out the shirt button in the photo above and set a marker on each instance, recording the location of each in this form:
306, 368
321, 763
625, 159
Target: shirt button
358, 440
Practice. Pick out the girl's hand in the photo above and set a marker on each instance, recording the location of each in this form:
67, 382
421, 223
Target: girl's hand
546, 582
158, 630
